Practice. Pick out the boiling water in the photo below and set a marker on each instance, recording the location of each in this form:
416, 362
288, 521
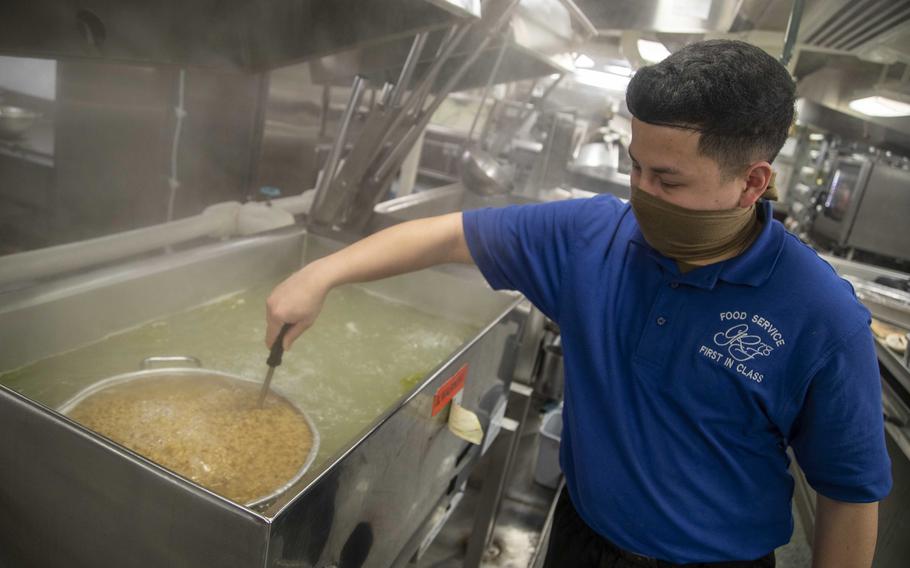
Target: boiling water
362, 355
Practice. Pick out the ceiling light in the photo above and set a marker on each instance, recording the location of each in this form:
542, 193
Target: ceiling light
880, 106
652, 51
599, 79
584, 61
618, 70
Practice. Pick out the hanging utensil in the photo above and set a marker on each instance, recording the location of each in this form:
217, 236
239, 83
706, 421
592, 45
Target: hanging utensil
274, 360
481, 171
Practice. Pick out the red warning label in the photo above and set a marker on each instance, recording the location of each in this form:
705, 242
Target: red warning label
449, 389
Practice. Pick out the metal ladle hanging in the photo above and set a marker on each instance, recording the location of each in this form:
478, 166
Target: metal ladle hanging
481, 171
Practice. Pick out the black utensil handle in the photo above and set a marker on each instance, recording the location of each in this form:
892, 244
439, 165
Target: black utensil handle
278, 347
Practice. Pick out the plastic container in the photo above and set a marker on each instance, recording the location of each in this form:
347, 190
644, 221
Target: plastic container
547, 471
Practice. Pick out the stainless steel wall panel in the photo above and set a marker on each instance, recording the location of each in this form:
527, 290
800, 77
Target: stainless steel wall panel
115, 130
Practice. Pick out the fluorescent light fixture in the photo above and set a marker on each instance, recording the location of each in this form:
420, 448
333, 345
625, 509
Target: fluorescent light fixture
601, 80
816, 137
584, 61
880, 106
618, 70
652, 51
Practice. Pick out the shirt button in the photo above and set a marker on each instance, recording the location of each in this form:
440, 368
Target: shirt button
661, 320
674, 284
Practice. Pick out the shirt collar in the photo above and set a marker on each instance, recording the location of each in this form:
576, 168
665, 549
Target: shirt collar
751, 268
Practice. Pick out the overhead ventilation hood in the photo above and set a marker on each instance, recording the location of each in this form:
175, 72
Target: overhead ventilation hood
677, 16
875, 30
249, 35
538, 42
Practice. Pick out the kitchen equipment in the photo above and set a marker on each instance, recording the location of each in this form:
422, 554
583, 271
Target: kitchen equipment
593, 155
599, 156
551, 380
546, 469
481, 172
273, 361
190, 373
897, 283
15, 121
369, 493
864, 206
485, 175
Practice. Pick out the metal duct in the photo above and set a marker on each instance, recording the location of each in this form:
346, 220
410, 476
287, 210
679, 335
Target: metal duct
863, 26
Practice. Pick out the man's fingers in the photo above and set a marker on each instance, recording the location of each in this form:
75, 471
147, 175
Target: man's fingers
293, 334
271, 332
274, 326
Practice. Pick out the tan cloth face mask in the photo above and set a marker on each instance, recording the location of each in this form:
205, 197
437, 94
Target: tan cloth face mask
692, 237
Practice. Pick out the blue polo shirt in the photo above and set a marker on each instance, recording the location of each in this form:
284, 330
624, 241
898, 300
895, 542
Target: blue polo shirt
683, 391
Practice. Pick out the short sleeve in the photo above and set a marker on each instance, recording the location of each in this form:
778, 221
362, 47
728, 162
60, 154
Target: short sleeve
524, 248
839, 435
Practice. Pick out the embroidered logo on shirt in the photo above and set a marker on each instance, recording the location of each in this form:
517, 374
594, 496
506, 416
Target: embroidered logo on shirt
740, 344
742, 339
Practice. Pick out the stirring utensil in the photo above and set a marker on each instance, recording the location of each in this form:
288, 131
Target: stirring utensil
274, 360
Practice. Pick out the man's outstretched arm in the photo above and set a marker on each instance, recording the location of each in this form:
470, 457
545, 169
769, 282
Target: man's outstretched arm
403, 248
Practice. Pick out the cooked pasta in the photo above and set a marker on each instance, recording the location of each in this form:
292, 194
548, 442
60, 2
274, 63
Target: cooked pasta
206, 428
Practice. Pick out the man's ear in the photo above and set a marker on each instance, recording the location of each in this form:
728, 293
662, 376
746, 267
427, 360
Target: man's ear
758, 176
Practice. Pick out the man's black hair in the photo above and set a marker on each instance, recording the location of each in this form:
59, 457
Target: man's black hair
737, 96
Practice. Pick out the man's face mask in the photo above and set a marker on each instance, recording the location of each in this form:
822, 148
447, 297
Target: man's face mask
690, 236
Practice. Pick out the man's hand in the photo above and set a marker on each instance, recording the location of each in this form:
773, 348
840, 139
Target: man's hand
845, 534
403, 248
297, 300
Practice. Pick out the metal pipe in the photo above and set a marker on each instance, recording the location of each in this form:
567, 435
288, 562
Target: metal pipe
551, 88
385, 96
543, 97
324, 114
450, 33
796, 15
503, 137
486, 92
404, 144
331, 163
485, 131
180, 114
420, 93
580, 17
451, 41
410, 64
416, 99
407, 140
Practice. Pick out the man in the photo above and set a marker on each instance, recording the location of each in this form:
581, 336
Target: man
700, 338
